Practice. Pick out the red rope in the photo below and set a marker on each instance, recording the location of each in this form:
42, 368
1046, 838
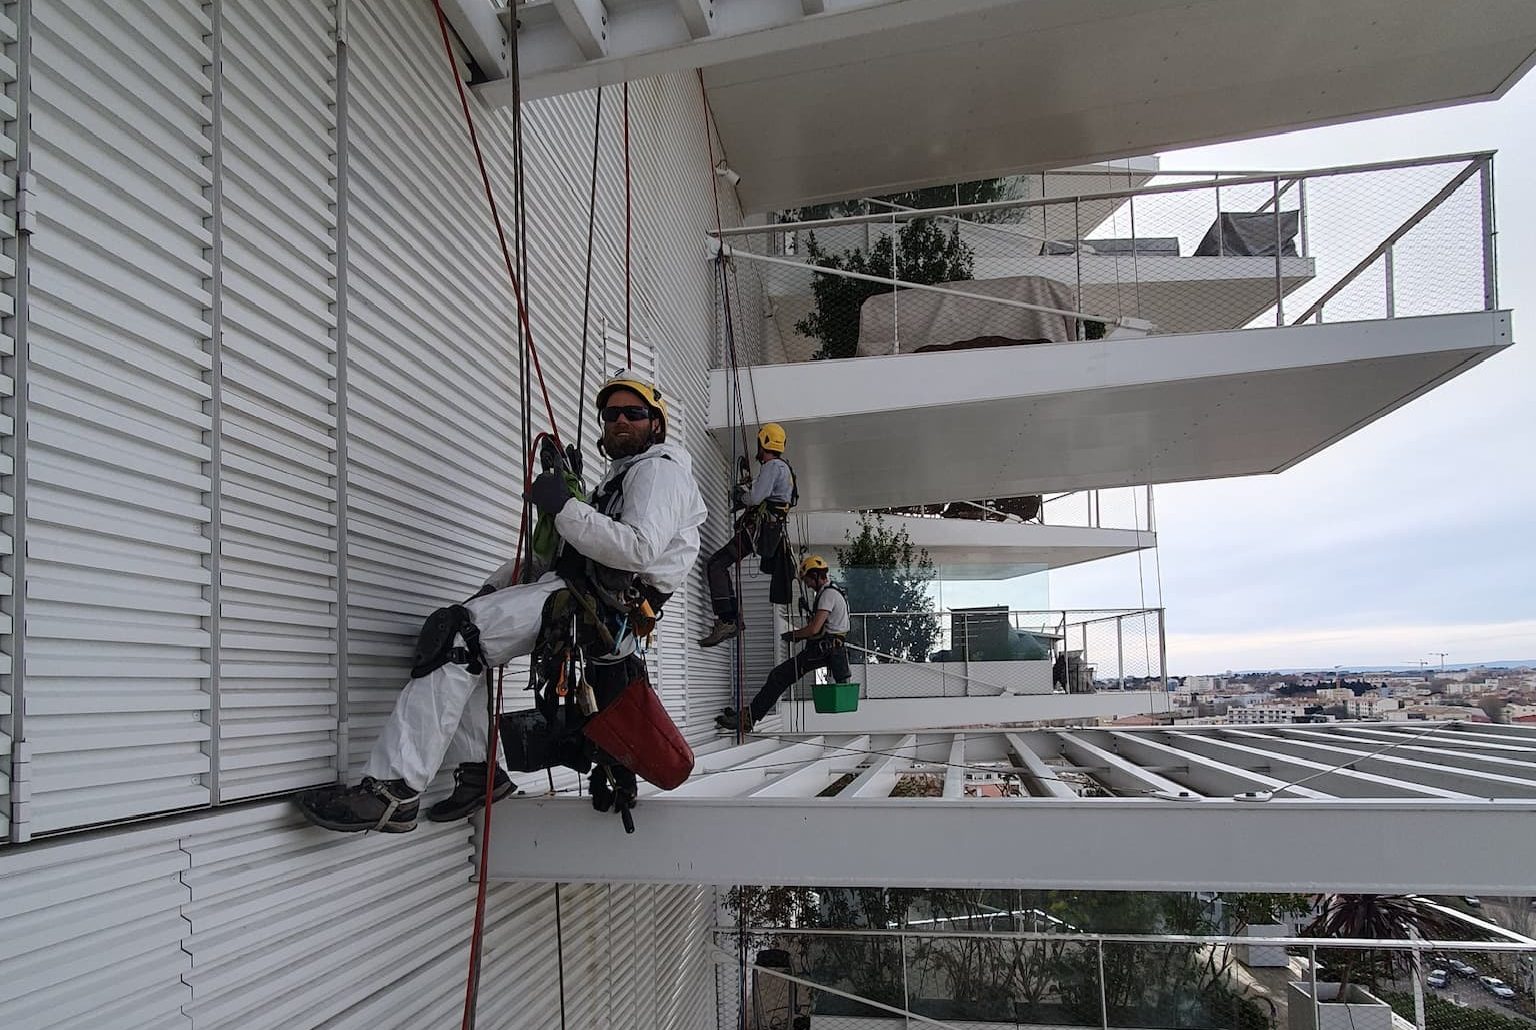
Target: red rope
477, 938
629, 353
490, 198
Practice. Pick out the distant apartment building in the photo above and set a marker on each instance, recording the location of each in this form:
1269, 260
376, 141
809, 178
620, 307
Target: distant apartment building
1371, 706
1268, 713
1204, 684
1335, 694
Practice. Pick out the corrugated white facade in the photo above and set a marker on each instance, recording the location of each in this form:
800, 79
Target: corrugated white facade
271, 420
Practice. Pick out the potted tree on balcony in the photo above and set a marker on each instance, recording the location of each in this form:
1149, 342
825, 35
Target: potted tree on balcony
1264, 915
1345, 998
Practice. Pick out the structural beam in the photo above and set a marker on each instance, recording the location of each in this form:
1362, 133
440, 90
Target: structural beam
587, 22
1046, 778
954, 776
1090, 844
880, 778
1341, 782
810, 780
478, 25
1206, 775
698, 15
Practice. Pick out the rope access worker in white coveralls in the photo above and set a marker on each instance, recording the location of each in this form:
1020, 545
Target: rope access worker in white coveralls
640, 536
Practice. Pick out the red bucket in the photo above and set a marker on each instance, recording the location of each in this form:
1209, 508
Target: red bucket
637, 731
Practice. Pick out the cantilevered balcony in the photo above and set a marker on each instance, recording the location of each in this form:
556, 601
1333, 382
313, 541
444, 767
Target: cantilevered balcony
977, 540
827, 99
1367, 807
1291, 309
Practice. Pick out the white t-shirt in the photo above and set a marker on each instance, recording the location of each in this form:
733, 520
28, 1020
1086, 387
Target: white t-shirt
831, 600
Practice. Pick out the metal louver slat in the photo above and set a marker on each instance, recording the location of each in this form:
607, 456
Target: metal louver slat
10, 358
119, 332
277, 703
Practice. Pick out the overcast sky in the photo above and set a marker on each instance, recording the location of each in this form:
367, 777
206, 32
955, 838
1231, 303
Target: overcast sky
1414, 535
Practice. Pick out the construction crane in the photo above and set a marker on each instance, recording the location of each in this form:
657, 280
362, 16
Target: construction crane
1442, 655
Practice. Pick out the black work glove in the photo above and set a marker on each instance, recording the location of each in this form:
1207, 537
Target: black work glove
788, 636
738, 498
550, 492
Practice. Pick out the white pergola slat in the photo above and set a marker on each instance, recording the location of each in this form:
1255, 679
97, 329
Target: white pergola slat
1211, 807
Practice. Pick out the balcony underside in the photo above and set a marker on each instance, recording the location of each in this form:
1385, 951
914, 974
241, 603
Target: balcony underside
1014, 85
1188, 814
925, 428
963, 549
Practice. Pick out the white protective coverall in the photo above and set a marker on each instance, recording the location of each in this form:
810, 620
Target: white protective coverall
653, 530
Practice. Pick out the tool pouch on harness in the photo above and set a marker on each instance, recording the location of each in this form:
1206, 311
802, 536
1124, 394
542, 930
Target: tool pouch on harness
637, 731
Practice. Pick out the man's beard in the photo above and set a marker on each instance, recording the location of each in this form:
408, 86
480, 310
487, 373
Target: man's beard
626, 446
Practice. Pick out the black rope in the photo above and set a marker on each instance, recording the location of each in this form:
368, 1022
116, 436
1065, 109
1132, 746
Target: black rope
560, 954
520, 229
586, 298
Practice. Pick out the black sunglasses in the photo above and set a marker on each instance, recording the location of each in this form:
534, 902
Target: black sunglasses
631, 412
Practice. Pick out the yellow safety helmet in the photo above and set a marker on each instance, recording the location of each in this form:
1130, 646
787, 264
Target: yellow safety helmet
812, 563
624, 379
772, 437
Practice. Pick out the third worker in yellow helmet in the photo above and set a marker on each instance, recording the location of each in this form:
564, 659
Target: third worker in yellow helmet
823, 647
764, 502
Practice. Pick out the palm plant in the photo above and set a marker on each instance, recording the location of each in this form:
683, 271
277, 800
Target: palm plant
1373, 917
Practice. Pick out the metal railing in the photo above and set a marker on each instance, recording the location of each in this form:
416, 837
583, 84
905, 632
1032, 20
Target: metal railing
975, 652
882, 979
1129, 507
1188, 252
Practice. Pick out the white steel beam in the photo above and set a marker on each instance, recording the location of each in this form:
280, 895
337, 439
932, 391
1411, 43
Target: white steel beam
478, 25
1207, 775
1319, 775
880, 778
1406, 770
587, 22
750, 772
810, 780
954, 775
1090, 844
1045, 777
1120, 773
1520, 763
698, 15
643, 40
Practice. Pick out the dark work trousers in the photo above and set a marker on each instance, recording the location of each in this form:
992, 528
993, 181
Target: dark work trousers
821, 653
722, 565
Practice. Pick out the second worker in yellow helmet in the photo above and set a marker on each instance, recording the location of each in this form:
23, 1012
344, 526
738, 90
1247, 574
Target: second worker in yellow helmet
765, 503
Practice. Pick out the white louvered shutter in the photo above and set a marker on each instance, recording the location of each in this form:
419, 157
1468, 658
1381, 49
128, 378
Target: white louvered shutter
277, 704
118, 583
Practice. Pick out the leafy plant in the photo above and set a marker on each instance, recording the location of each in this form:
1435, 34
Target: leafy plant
883, 571
1373, 917
924, 253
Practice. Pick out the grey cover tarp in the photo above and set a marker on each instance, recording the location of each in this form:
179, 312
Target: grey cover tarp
935, 319
1251, 234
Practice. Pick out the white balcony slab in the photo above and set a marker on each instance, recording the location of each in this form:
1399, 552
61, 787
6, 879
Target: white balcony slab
874, 96
1164, 814
925, 428
962, 549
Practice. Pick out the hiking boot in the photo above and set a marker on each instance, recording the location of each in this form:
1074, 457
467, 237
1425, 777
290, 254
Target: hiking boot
724, 630
729, 720
612, 786
385, 805
469, 792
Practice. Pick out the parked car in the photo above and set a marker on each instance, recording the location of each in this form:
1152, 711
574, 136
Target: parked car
1471, 901
1461, 967
1437, 978
1498, 988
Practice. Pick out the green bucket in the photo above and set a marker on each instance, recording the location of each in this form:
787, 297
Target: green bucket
835, 697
